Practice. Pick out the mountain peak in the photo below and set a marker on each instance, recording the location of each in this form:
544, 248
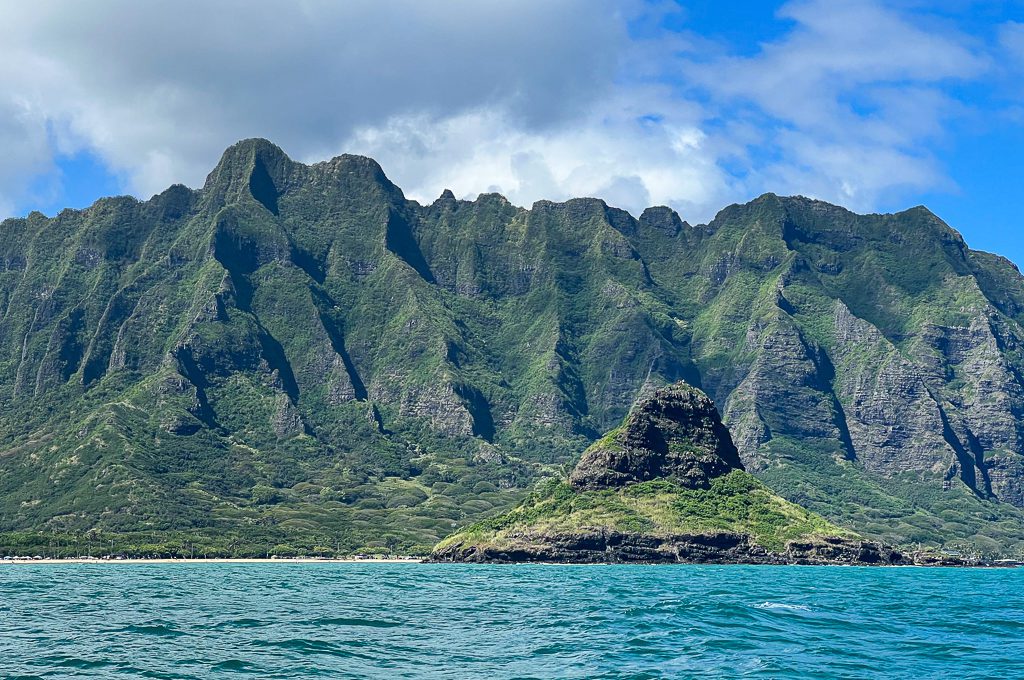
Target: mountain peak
353, 161
675, 433
246, 151
446, 199
663, 219
254, 167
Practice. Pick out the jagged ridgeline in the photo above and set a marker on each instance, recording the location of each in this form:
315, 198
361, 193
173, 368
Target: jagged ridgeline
298, 357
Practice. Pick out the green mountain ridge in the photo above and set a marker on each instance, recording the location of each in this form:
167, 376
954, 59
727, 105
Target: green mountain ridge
297, 358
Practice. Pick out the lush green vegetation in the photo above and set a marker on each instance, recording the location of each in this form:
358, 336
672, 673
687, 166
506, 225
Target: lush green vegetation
735, 502
298, 355
903, 510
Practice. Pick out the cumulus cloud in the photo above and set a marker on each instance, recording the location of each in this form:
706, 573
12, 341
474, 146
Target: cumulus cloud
534, 99
25, 156
630, 160
157, 90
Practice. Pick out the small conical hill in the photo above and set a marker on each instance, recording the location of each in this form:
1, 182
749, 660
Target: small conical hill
666, 486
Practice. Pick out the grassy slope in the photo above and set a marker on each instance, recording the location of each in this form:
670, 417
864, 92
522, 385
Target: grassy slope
736, 502
900, 510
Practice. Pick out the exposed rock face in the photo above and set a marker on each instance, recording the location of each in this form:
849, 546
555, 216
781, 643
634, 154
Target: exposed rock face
894, 421
675, 433
441, 405
1006, 475
786, 389
717, 548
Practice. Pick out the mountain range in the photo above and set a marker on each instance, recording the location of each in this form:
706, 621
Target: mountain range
298, 358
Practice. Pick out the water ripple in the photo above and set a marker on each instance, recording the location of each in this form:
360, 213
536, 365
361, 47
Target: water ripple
529, 621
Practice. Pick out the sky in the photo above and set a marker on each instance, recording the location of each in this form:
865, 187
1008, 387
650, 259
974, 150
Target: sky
874, 105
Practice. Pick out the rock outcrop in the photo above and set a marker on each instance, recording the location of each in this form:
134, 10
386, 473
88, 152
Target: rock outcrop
674, 434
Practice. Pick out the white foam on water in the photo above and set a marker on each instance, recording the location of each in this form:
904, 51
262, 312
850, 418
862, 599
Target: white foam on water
782, 605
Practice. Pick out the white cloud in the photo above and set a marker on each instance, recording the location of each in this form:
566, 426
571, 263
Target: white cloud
611, 153
536, 99
846, 104
25, 155
158, 90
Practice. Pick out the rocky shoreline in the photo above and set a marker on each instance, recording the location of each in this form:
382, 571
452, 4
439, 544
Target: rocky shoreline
719, 548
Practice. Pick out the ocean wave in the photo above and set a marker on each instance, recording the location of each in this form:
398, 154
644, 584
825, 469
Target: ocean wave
783, 605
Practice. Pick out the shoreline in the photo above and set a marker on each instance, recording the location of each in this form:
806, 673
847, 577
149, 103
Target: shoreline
218, 560
422, 560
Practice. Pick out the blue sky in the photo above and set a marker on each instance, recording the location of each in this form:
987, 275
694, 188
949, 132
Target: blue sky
980, 153
874, 105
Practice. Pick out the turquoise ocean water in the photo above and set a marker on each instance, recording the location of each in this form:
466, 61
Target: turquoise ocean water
529, 621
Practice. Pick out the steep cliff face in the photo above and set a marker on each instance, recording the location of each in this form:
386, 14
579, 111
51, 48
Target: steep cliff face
389, 368
895, 422
876, 349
